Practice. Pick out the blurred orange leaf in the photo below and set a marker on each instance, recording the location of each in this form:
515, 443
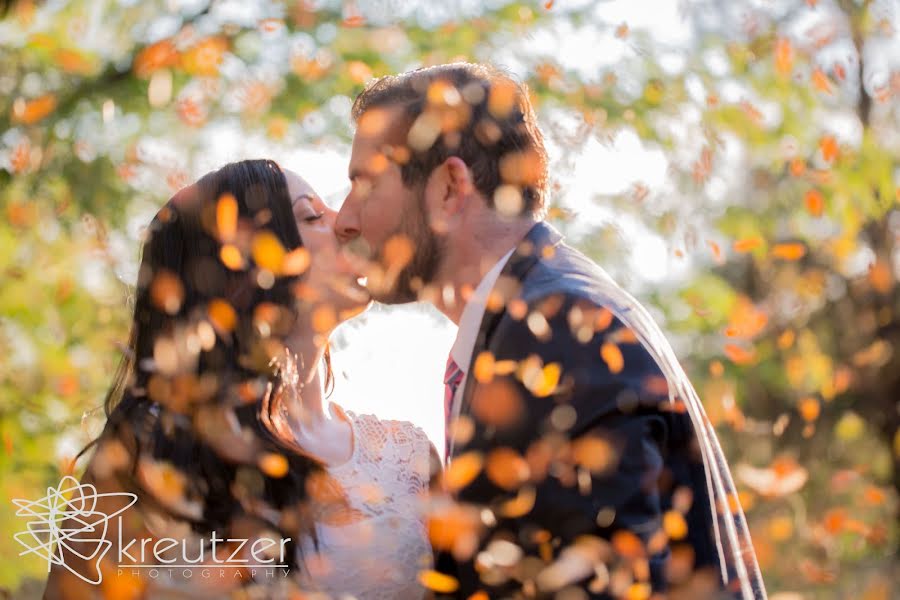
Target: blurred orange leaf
789, 251
612, 356
814, 202
829, 148
438, 582
32, 111
784, 56
820, 81
156, 56
747, 244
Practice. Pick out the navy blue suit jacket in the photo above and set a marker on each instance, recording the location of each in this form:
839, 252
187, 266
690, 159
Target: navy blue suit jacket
621, 450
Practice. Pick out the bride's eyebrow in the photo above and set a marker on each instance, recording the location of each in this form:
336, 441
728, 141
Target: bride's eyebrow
309, 197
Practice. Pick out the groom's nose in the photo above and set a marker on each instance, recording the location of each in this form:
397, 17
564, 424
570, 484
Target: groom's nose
346, 225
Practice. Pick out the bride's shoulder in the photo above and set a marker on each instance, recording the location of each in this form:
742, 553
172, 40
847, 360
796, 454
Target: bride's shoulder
400, 433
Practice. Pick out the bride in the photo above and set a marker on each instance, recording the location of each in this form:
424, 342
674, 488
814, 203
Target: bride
219, 418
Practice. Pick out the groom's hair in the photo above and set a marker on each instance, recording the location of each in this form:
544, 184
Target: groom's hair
474, 111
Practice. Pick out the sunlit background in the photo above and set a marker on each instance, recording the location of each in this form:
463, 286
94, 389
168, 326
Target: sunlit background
733, 164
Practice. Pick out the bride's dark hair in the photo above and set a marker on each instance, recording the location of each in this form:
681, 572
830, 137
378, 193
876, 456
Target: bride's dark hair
212, 305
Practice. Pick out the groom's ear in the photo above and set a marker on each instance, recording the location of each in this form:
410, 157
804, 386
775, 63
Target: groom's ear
448, 190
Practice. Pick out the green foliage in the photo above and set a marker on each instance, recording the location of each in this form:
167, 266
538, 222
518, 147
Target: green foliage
792, 313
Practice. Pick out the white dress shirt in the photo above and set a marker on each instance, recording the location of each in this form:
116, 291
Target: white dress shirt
469, 325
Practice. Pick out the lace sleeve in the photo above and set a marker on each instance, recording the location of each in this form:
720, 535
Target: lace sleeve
412, 451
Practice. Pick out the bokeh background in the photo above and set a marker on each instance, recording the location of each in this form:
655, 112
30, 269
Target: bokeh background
736, 165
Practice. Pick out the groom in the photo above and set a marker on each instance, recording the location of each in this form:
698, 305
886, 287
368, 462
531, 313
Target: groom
562, 440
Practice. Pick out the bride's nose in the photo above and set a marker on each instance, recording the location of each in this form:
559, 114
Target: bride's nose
329, 216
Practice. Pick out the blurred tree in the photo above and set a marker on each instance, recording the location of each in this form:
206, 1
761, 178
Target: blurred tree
779, 123
781, 127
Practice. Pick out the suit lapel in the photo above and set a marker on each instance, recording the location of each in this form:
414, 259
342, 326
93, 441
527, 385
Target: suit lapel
509, 286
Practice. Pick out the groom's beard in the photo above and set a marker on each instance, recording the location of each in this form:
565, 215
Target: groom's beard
428, 250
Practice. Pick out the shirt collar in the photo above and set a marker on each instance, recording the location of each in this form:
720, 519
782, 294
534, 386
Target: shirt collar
470, 320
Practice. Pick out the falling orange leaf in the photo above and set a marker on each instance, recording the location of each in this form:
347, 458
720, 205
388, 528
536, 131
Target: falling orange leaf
622, 31
839, 71
835, 520
267, 251
438, 582
820, 81
880, 277
716, 251
751, 111
814, 202
32, 111
462, 470
156, 56
222, 315
324, 318
594, 453
627, 545
20, 158
502, 99
506, 468
747, 244
273, 464
874, 496
205, 57
829, 148
231, 257
166, 292
226, 217
612, 356
497, 403
483, 368
809, 408
354, 21
675, 525
739, 355
745, 321
784, 56
398, 251
786, 339
548, 4
797, 167
295, 262
603, 320
72, 61
541, 381
789, 251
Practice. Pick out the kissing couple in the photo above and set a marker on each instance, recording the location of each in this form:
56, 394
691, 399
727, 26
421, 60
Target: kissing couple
578, 460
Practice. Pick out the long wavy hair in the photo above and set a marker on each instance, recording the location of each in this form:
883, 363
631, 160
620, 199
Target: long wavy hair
189, 399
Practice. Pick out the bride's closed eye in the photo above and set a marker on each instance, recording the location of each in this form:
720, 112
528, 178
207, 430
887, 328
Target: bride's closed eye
306, 205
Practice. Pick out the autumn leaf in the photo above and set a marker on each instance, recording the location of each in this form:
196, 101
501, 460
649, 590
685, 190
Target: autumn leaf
612, 356
828, 146
748, 244
789, 251
30, 112
814, 202
784, 56
205, 56
154, 57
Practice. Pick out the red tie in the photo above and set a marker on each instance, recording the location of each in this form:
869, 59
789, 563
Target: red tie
453, 376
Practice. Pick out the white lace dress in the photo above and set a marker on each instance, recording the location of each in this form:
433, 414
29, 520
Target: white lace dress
374, 546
